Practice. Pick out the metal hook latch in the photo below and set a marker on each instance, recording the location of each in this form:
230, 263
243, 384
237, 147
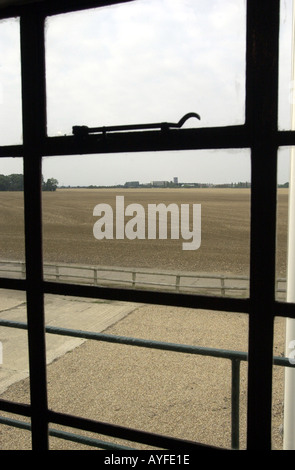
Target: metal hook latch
83, 131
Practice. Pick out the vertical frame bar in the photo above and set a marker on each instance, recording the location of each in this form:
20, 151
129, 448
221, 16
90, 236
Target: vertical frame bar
34, 131
261, 119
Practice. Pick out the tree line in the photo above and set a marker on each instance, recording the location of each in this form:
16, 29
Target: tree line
15, 182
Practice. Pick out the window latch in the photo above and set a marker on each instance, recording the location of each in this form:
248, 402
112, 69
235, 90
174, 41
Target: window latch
83, 131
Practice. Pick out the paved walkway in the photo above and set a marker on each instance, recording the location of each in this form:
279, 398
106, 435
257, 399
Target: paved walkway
66, 312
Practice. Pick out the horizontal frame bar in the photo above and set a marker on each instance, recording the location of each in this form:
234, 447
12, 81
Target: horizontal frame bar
282, 309
129, 434
149, 297
146, 141
56, 7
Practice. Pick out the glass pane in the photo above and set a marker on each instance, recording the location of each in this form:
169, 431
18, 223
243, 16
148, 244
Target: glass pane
284, 344
136, 231
12, 246
10, 83
283, 370
286, 52
14, 367
167, 392
147, 61
282, 221
14, 363
284, 376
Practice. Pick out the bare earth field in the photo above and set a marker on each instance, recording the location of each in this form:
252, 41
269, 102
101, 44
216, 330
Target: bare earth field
181, 395
68, 230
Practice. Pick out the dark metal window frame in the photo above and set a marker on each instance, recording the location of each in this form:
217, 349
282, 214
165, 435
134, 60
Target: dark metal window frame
259, 133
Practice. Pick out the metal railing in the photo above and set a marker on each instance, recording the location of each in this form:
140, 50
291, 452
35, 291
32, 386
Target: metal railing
235, 357
177, 281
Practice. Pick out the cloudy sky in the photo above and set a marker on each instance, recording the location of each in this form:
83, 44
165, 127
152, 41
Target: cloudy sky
145, 61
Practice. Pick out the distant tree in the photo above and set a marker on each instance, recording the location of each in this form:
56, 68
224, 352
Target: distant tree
14, 182
50, 185
4, 183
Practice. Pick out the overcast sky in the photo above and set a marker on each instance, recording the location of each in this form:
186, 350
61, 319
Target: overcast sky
145, 61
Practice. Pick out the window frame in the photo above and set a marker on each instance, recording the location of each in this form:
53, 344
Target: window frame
259, 133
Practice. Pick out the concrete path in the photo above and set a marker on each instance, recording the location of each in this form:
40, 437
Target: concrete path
67, 312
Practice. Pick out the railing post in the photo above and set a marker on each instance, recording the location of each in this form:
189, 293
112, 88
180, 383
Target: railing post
177, 282
222, 285
235, 404
23, 269
133, 278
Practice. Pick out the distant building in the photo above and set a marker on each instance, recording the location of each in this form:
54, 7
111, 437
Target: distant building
132, 184
175, 180
159, 184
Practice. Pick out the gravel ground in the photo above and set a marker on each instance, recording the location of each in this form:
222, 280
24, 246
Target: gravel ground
177, 394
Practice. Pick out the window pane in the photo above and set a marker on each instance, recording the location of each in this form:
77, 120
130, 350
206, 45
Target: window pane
12, 247
14, 367
284, 376
286, 52
282, 222
147, 61
10, 84
14, 357
178, 394
152, 243
281, 404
